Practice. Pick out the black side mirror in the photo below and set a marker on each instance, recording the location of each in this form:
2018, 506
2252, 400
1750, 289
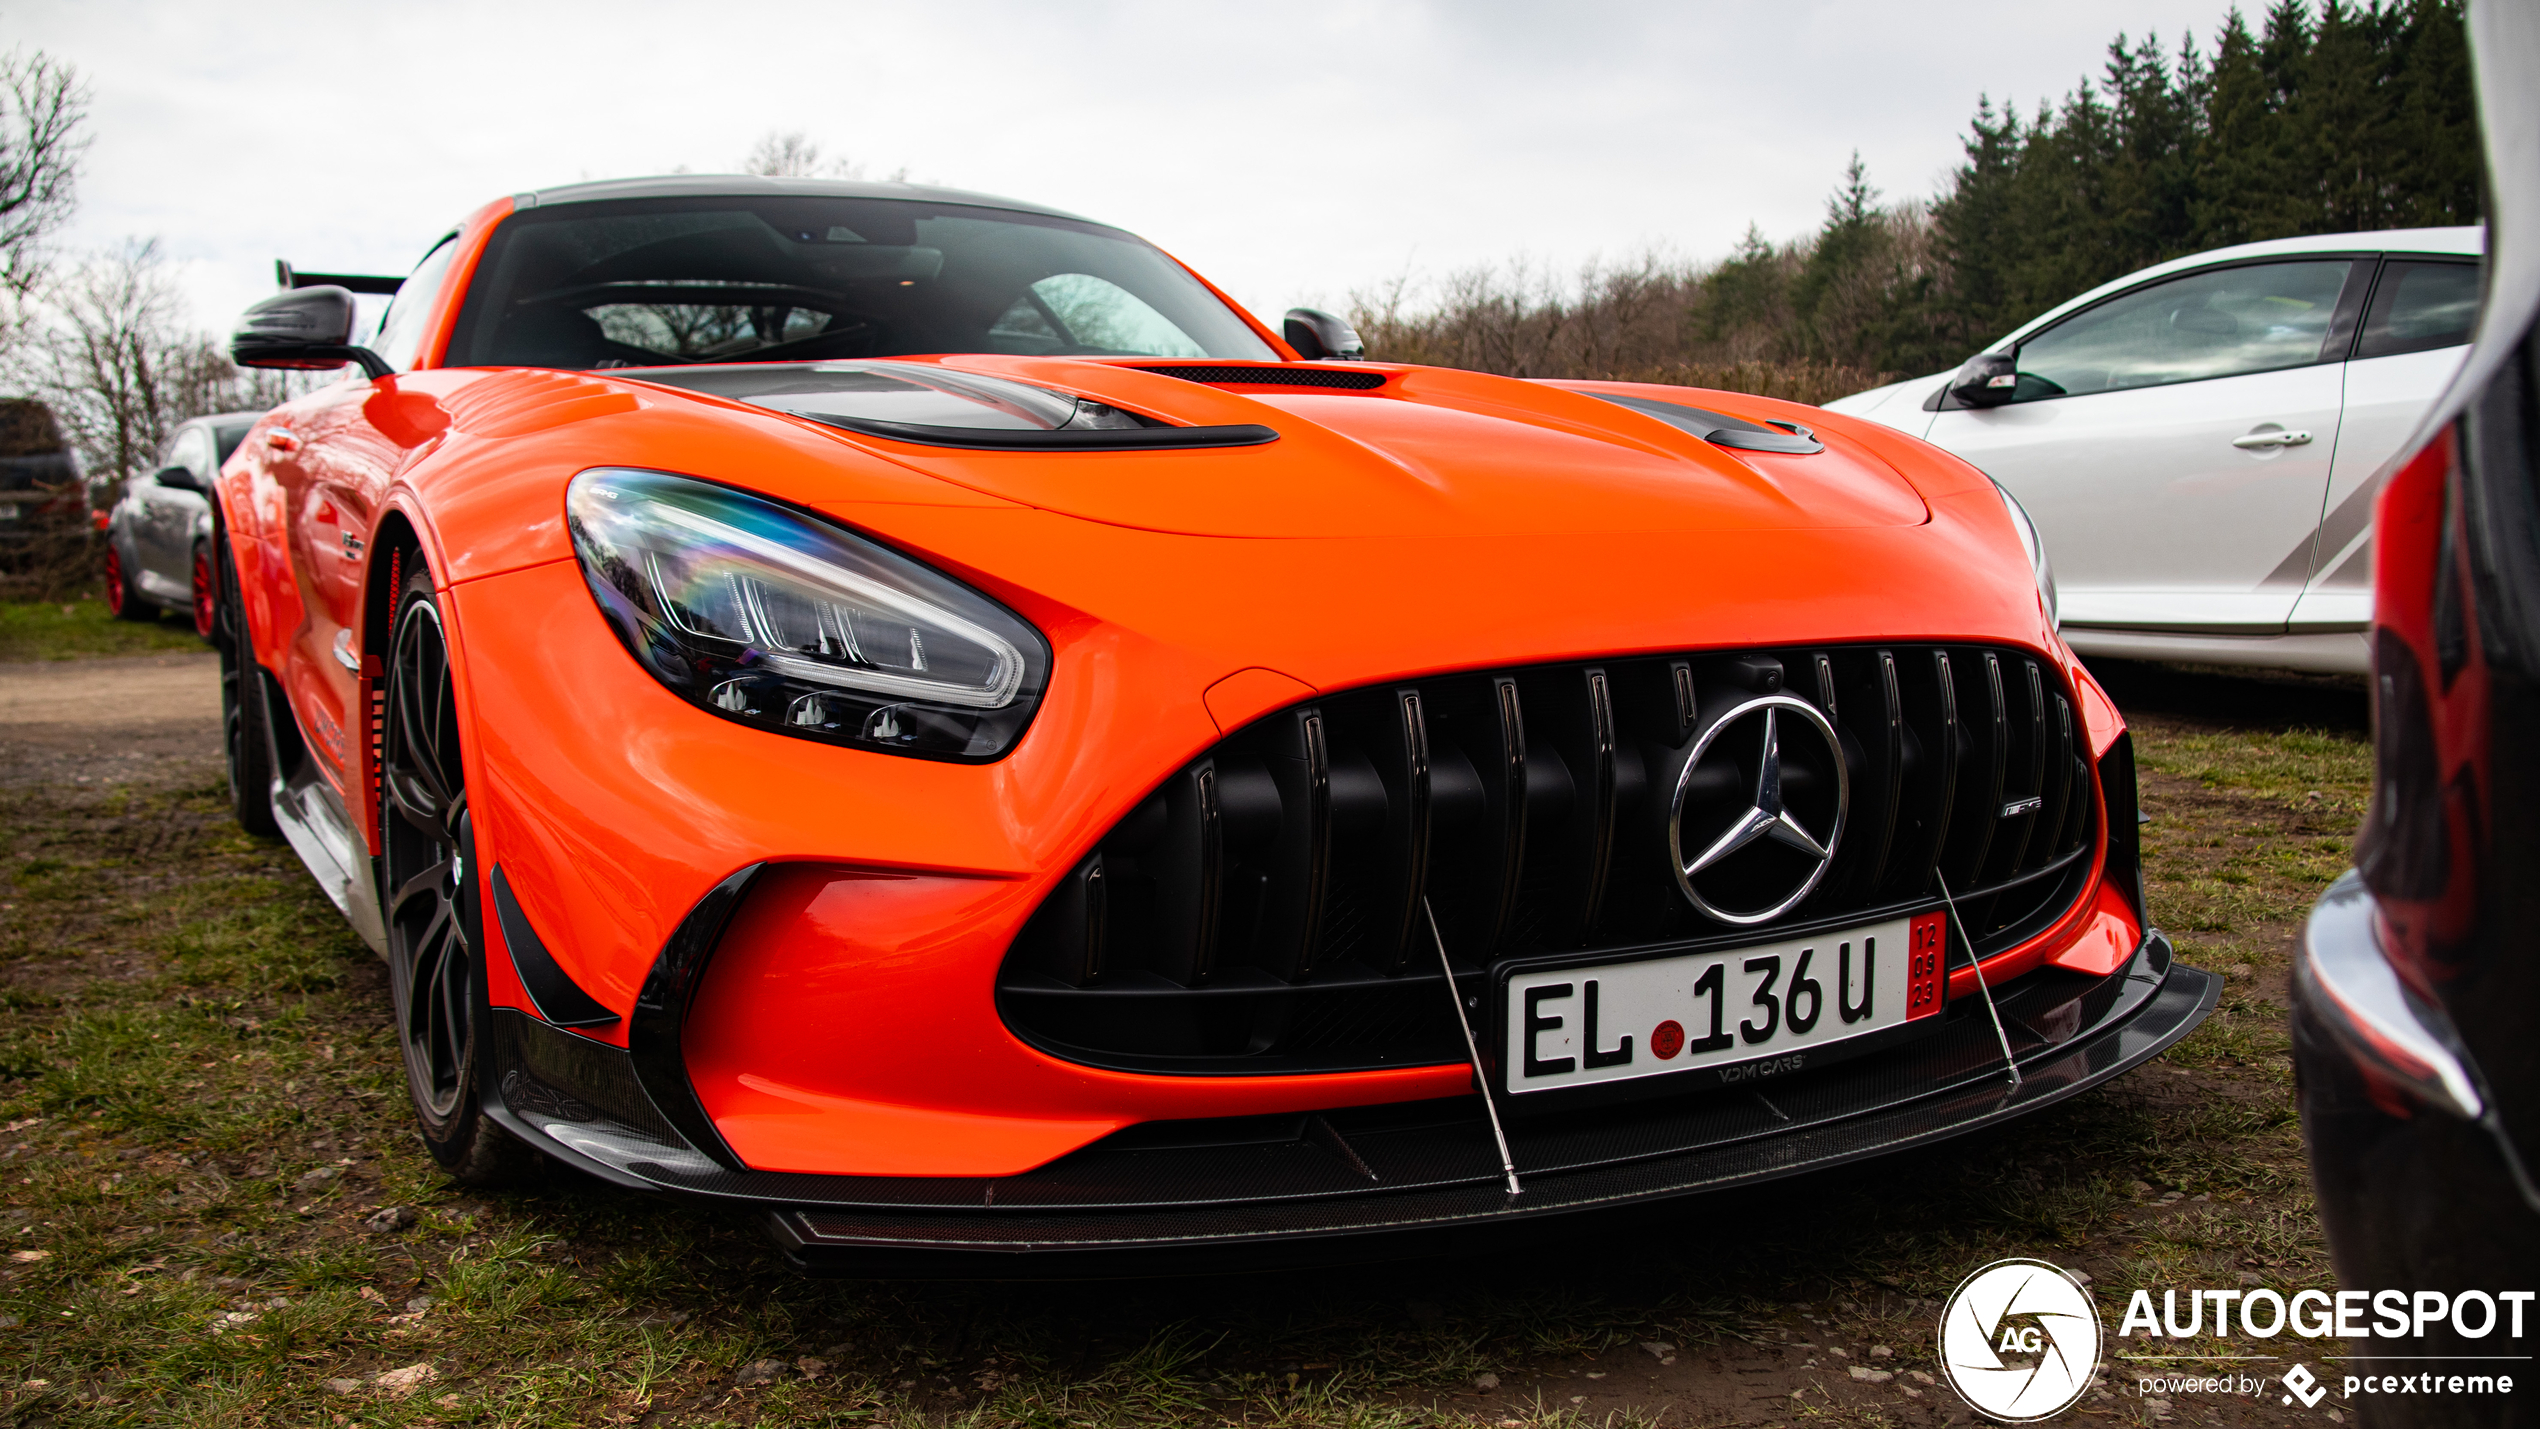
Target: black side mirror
1317, 334
177, 478
307, 329
1988, 380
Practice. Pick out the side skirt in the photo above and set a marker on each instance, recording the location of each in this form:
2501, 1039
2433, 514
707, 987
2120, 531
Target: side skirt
320, 831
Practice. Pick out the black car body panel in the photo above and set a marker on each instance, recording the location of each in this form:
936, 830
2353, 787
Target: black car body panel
2419, 973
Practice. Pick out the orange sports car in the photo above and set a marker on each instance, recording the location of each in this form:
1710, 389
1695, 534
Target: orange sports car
913, 713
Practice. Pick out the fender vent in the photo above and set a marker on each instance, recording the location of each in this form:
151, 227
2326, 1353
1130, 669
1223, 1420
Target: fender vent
1259, 912
1271, 375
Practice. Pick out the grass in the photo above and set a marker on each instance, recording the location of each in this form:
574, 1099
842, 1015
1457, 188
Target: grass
71, 630
202, 1116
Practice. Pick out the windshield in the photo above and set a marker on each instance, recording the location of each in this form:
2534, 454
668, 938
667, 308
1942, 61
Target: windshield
643, 283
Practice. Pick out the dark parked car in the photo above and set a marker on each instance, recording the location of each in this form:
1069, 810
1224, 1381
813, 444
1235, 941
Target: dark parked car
159, 536
2420, 971
39, 473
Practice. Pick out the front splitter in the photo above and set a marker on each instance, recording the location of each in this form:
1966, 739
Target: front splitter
1178, 1226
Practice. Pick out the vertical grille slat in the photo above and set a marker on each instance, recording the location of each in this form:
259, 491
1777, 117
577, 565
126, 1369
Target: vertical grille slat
1980, 810
1411, 826
1207, 883
1260, 911
2077, 804
1509, 806
1881, 734
2056, 787
2021, 830
1601, 791
1934, 795
1301, 879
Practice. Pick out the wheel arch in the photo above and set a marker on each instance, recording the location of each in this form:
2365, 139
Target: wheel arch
234, 525
394, 543
403, 535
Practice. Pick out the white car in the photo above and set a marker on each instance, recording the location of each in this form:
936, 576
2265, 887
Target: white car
2199, 443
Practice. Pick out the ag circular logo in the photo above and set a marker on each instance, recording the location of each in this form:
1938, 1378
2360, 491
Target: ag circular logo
2019, 1340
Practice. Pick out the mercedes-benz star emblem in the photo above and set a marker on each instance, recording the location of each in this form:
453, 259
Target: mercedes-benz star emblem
1744, 825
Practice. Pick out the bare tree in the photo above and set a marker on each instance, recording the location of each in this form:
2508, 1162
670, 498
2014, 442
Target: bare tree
43, 112
120, 367
794, 154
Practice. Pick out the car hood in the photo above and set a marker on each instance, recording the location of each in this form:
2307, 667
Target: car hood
1898, 404
1244, 450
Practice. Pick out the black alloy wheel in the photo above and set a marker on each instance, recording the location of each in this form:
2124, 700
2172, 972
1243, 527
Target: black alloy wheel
244, 746
428, 894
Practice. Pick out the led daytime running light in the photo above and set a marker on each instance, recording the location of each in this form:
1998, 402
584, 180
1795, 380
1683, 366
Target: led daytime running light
760, 631
777, 619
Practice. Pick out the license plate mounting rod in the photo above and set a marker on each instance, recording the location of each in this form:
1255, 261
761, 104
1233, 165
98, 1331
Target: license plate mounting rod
1978, 964
1473, 1050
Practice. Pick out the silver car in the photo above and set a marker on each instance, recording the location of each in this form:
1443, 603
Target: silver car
2199, 443
159, 535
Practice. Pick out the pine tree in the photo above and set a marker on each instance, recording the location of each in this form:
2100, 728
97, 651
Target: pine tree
1834, 297
1978, 240
2435, 115
2352, 117
2240, 106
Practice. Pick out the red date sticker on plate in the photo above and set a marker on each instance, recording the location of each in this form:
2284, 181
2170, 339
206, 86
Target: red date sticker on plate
1926, 953
1667, 1039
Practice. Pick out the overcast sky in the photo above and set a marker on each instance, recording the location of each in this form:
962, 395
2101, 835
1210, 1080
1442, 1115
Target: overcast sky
1293, 151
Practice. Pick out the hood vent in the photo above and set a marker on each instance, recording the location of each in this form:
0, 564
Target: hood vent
1721, 429
1217, 374
944, 407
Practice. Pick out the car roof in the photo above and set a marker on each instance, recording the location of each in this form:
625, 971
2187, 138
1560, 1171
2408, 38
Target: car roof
2469, 241
762, 186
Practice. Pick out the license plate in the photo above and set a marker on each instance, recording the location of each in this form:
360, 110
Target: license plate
1771, 1004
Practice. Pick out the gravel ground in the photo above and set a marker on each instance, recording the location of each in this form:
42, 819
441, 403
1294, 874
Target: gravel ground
151, 719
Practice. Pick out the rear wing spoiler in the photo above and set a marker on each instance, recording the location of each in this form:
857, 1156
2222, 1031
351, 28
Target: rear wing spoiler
285, 275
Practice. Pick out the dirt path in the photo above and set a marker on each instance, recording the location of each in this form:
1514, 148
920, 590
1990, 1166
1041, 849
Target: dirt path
113, 720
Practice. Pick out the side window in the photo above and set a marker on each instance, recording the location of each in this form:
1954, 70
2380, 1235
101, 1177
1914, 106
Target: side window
401, 328
226, 441
2218, 323
2420, 304
192, 450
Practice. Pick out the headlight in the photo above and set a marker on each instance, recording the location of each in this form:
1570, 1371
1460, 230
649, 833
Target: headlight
2037, 563
776, 619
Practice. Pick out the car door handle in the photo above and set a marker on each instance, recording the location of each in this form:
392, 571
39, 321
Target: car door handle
281, 439
2260, 441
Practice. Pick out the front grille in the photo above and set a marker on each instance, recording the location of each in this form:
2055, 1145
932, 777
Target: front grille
1270, 375
1262, 911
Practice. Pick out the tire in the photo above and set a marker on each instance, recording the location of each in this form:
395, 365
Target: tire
206, 593
428, 895
124, 600
244, 745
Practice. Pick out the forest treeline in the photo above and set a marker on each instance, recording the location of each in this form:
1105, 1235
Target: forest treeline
2324, 119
